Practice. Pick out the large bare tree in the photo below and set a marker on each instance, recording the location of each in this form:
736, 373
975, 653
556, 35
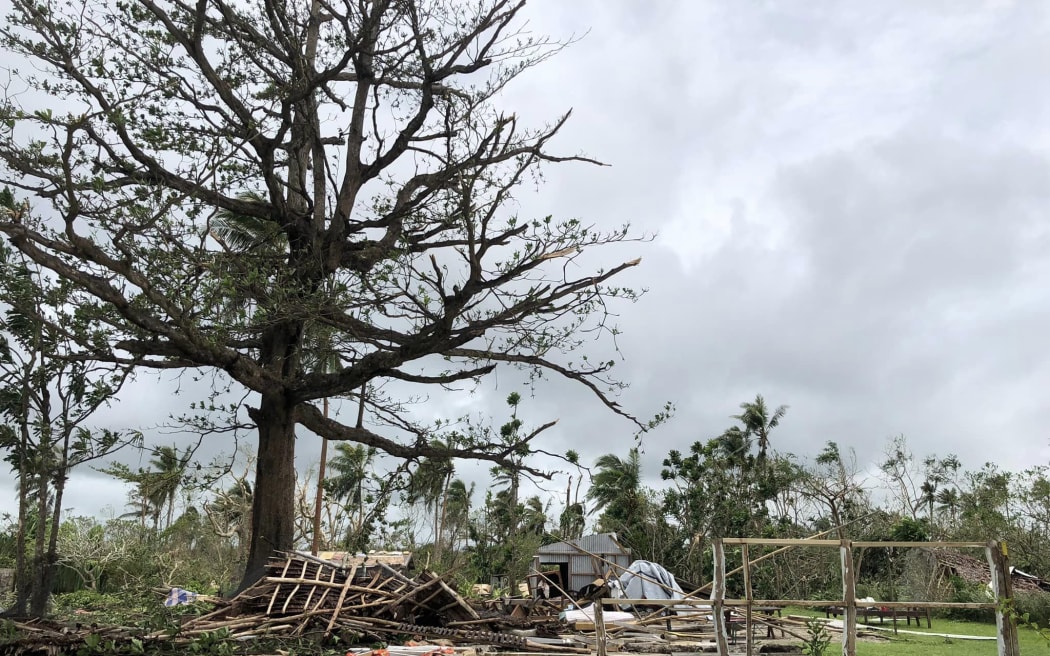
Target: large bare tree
362, 133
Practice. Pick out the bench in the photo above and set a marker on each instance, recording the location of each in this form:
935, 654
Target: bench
907, 614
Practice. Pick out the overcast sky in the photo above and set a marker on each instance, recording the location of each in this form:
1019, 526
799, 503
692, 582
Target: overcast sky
849, 203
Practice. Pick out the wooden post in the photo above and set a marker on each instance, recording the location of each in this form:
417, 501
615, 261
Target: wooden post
748, 597
849, 600
718, 595
1002, 588
599, 627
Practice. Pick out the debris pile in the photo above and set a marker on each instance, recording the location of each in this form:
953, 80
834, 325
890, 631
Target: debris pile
367, 601
303, 595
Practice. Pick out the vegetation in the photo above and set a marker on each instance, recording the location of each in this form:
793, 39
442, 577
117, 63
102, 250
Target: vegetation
922, 641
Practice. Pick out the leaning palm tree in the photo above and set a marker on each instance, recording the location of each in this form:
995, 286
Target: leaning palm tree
428, 485
457, 511
616, 487
534, 517
166, 481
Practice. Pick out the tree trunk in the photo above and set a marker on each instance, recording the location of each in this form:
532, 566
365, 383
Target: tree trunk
273, 499
49, 559
171, 511
49, 569
38, 608
320, 489
23, 579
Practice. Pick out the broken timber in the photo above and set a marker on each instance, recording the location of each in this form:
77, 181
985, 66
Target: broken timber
299, 595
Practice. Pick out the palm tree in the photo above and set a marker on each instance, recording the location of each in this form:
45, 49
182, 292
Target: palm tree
352, 463
167, 479
734, 445
616, 488
428, 485
509, 478
457, 510
572, 520
534, 517
948, 501
757, 422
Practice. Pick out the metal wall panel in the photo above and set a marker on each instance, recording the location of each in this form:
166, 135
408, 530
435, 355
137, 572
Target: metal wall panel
583, 567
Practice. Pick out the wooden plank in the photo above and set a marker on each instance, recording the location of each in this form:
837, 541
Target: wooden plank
782, 542
659, 602
849, 600
277, 588
807, 603
339, 602
302, 575
718, 594
459, 600
824, 603
808, 542
925, 545
1002, 588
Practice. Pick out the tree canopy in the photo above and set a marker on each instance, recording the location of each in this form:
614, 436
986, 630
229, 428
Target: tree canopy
365, 135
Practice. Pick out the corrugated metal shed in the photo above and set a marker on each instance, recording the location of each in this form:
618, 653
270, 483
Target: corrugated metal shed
581, 561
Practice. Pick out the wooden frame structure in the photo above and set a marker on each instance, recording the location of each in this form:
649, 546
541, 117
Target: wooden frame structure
995, 552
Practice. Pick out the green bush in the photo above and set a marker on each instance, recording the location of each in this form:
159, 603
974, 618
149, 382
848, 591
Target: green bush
112, 608
970, 593
1035, 604
86, 600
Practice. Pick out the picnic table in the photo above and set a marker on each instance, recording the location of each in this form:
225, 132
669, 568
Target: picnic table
908, 614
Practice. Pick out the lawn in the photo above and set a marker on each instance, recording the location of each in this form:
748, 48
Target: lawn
935, 644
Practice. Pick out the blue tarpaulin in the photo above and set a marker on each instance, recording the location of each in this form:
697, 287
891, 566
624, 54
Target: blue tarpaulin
178, 596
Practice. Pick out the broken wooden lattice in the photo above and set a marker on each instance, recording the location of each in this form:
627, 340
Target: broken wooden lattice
302, 595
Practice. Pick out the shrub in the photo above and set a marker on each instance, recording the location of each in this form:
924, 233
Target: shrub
966, 592
1036, 605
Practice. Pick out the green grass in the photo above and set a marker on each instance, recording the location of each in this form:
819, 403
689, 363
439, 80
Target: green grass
935, 644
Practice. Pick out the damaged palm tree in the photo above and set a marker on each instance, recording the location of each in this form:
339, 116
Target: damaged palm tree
364, 133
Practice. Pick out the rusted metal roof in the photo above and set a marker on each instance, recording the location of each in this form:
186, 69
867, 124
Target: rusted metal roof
601, 544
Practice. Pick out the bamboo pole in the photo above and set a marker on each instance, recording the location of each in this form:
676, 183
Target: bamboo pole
302, 574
